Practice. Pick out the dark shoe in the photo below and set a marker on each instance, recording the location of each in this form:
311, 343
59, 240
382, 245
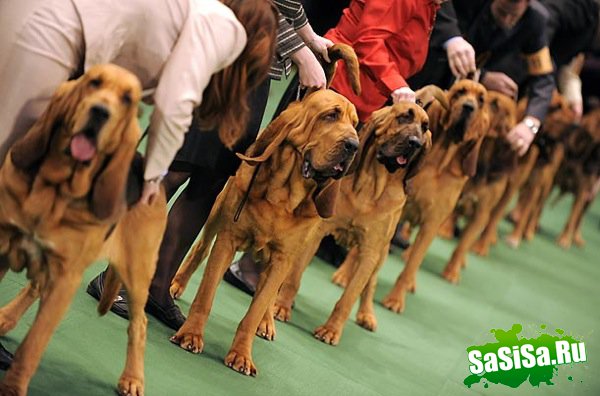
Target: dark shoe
170, 315
119, 306
330, 252
235, 277
400, 242
6, 358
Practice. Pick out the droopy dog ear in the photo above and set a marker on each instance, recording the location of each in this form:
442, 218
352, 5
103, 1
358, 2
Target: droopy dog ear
470, 153
325, 198
109, 188
274, 134
415, 163
366, 136
31, 148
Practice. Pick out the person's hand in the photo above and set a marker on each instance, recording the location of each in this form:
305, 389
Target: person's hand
498, 81
310, 72
320, 45
149, 192
520, 138
403, 94
461, 57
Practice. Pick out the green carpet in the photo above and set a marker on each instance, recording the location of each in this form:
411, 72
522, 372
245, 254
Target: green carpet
421, 352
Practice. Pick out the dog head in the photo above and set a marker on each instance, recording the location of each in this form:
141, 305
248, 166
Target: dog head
467, 118
321, 129
90, 123
503, 115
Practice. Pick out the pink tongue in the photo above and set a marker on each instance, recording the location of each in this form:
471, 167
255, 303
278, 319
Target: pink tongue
401, 160
82, 149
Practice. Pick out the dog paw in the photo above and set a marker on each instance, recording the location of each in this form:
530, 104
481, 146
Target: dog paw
340, 278
564, 242
242, 363
366, 320
451, 274
327, 334
578, 240
481, 248
281, 313
176, 289
130, 386
6, 324
513, 241
190, 341
266, 329
395, 302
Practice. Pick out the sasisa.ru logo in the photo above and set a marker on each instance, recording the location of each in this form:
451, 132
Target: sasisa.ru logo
512, 360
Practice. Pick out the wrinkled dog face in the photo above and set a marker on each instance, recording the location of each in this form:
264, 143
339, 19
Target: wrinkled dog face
468, 113
400, 134
332, 141
109, 98
503, 114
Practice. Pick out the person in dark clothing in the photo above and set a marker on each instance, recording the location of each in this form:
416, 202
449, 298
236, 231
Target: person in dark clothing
500, 32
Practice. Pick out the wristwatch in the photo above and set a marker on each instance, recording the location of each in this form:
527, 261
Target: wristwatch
529, 123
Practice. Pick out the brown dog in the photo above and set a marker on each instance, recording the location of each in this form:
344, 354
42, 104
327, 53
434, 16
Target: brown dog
579, 174
496, 162
434, 191
393, 143
287, 183
62, 188
534, 193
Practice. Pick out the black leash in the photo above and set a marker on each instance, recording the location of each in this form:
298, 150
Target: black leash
238, 212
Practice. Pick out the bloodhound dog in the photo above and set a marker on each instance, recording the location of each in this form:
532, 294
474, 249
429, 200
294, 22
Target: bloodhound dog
579, 174
433, 193
533, 194
62, 190
289, 180
496, 162
558, 113
393, 143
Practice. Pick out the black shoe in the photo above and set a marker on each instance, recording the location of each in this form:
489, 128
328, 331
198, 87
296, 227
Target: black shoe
6, 358
119, 306
330, 252
235, 278
170, 315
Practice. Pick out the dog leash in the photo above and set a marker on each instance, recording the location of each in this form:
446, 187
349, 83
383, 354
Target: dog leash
238, 212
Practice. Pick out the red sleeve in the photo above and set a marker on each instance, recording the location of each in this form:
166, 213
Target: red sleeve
380, 20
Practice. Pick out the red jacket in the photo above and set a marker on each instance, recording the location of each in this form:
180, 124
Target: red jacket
391, 38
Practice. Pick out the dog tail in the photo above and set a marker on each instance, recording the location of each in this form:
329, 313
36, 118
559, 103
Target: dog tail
426, 95
346, 53
112, 285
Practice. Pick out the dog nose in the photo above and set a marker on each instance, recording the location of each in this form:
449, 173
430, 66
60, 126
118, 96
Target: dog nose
468, 107
351, 145
414, 142
99, 113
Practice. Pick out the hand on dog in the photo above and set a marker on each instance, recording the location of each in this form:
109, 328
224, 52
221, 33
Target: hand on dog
309, 69
320, 45
520, 138
149, 192
498, 81
403, 94
461, 56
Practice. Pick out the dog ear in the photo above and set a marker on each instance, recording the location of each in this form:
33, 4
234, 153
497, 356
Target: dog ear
274, 134
470, 153
366, 135
325, 198
108, 194
415, 163
426, 95
32, 147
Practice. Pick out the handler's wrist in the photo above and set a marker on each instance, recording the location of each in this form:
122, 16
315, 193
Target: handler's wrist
532, 123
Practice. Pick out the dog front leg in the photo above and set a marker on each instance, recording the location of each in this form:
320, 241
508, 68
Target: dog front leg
55, 300
191, 334
239, 357
342, 275
11, 313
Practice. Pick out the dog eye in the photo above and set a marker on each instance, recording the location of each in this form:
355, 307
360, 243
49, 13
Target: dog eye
96, 82
424, 126
126, 98
333, 116
480, 100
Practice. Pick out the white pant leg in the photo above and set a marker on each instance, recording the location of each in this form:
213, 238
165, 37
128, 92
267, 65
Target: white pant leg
46, 51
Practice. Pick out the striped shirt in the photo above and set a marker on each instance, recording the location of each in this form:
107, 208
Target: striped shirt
291, 18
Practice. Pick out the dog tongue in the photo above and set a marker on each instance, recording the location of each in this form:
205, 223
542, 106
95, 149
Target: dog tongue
401, 160
82, 149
